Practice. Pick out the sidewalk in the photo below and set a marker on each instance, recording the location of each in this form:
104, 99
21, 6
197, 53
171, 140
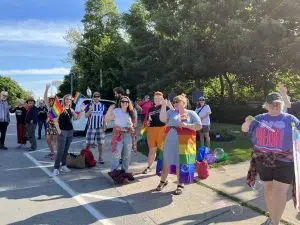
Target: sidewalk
197, 204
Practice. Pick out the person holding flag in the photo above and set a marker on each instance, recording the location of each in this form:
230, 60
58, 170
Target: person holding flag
155, 130
63, 123
95, 113
272, 156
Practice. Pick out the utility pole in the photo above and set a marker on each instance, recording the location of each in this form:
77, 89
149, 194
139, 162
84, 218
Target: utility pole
71, 76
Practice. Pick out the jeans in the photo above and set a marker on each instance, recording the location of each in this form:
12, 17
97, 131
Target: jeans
30, 134
64, 141
123, 151
41, 123
3, 129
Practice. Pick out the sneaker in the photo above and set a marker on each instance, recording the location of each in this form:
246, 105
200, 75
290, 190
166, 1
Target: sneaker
19, 146
147, 170
100, 161
65, 169
55, 173
4, 148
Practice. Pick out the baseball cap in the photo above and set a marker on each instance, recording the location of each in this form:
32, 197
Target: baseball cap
202, 98
273, 97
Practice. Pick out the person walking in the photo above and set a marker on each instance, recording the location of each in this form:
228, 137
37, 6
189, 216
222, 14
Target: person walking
272, 156
64, 129
179, 151
20, 112
95, 112
143, 107
4, 118
42, 117
124, 135
203, 111
31, 122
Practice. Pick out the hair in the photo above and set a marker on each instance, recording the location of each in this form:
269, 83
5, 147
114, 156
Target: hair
129, 108
158, 93
96, 93
119, 90
181, 97
4, 93
265, 105
64, 100
20, 101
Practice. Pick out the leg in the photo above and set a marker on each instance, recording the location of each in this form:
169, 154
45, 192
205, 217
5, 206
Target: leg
40, 126
280, 194
49, 142
19, 130
33, 137
89, 138
3, 129
164, 175
115, 160
202, 138
100, 137
207, 138
61, 142
126, 153
67, 146
268, 190
151, 156
180, 186
45, 126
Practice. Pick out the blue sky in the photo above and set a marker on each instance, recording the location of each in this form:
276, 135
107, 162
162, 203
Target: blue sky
32, 48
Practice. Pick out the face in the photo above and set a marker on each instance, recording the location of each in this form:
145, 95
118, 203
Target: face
68, 100
4, 96
117, 95
51, 101
157, 99
274, 108
202, 102
124, 103
30, 103
96, 98
179, 105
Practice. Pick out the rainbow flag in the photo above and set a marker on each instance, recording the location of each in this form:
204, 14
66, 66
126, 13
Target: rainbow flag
296, 152
143, 127
56, 109
77, 96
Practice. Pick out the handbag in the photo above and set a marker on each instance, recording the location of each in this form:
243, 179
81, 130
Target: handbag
202, 169
75, 161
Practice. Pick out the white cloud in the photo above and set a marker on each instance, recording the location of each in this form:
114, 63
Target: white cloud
36, 31
50, 71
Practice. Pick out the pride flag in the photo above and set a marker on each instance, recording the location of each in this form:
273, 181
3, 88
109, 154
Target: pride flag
143, 127
296, 148
56, 109
77, 96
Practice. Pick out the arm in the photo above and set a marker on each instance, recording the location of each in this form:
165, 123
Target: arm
169, 104
246, 124
89, 111
110, 114
138, 107
46, 96
196, 122
283, 92
163, 112
77, 116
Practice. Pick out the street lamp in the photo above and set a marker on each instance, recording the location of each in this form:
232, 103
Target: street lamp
99, 57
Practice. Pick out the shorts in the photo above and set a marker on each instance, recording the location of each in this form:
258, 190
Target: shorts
51, 129
283, 172
205, 129
155, 136
98, 133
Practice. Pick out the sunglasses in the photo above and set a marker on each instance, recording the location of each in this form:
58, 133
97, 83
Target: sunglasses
125, 102
97, 96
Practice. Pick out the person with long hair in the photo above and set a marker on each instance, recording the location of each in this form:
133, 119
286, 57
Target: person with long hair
20, 112
51, 131
64, 129
179, 151
124, 135
272, 155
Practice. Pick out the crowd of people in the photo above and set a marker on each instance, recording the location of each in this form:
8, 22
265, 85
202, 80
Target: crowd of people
171, 136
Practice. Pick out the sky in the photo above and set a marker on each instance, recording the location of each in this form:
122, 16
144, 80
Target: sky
33, 51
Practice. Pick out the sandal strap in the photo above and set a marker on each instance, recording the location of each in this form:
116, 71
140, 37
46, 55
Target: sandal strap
180, 186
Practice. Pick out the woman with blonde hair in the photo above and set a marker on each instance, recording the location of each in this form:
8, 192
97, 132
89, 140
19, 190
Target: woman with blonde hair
20, 112
179, 151
64, 129
124, 135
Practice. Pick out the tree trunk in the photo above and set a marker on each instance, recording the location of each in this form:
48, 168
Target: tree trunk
222, 93
197, 83
230, 88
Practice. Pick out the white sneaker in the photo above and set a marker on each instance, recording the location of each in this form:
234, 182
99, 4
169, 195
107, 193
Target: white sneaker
65, 169
55, 173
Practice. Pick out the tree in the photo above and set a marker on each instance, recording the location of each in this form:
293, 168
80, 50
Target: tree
14, 90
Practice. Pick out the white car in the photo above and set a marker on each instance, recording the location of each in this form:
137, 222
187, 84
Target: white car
81, 124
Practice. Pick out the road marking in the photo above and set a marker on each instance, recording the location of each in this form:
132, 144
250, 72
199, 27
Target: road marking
41, 161
85, 204
11, 134
25, 168
113, 199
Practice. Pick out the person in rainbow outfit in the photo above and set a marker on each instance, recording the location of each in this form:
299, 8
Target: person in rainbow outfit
179, 149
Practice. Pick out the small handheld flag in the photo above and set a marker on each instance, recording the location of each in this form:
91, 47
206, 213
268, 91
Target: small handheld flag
56, 109
77, 96
263, 124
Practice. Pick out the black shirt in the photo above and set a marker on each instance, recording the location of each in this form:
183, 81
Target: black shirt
154, 116
65, 120
20, 114
42, 113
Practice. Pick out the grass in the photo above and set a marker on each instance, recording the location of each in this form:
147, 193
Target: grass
238, 150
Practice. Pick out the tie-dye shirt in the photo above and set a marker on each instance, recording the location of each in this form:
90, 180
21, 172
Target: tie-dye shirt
277, 140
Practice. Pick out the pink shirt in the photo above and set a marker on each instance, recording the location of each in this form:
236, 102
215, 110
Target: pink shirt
145, 105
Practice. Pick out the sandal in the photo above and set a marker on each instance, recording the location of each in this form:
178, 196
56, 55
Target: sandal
161, 185
179, 189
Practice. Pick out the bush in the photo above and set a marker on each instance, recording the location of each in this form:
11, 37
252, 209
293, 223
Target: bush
234, 114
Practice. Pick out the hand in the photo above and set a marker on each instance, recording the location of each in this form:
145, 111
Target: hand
164, 102
148, 123
91, 108
169, 104
48, 86
182, 124
82, 108
282, 89
249, 119
112, 107
59, 132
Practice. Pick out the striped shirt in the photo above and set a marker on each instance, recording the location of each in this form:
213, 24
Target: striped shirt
97, 115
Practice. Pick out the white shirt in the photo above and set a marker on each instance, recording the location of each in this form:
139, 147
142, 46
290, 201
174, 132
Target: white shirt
201, 111
122, 119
